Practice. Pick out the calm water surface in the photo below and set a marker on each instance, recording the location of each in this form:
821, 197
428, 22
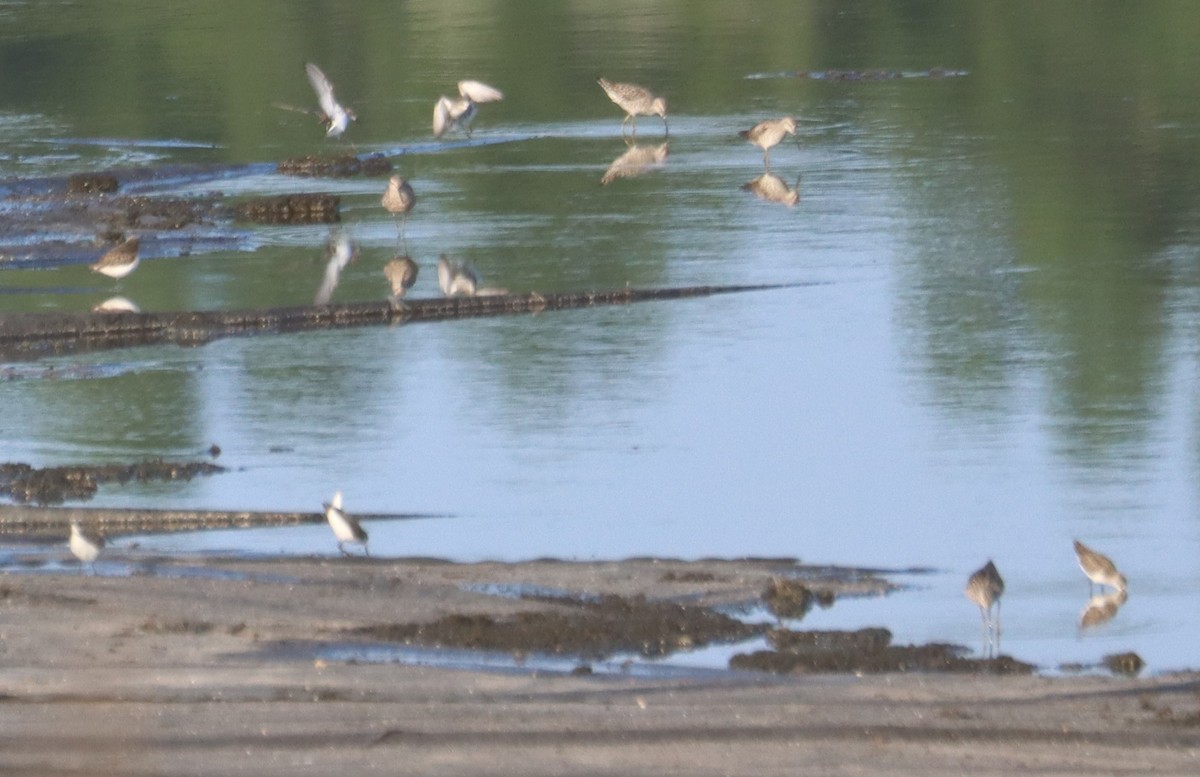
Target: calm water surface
993, 349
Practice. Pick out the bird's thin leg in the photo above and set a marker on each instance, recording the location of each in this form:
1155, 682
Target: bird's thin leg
633, 124
767, 159
997, 624
985, 632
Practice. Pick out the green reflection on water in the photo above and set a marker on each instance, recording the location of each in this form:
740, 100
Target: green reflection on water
1039, 193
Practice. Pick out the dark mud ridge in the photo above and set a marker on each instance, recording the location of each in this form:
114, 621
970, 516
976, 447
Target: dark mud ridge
865, 651
594, 629
611, 624
33, 335
55, 485
344, 166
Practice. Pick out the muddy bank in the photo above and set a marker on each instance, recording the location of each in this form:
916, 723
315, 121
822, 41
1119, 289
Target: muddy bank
54, 485
590, 629
174, 672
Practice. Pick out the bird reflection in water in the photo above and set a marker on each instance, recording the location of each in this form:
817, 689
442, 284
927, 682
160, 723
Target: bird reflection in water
1102, 608
116, 305
457, 278
401, 273
772, 188
339, 252
635, 161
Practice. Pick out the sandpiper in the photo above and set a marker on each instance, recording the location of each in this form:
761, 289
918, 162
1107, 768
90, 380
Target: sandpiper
1100, 569
635, 101
335, 116
458, 113
398, 199
345, 528
401, 272
767, 134
984, 588
85, 546
119, 260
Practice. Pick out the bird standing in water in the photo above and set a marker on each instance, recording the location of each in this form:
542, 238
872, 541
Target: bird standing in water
767, 134
1099, 568
984, 588
635, 101
398, 199
119, 260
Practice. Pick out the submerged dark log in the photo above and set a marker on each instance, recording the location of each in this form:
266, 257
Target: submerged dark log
343, 166
32, 335
292, 209
39, 524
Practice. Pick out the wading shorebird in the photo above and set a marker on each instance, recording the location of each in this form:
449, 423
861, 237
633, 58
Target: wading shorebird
635, 101
458, 113
119, 260
398, 199
345, 529
1100, 569
401, 273
984, 588
767, 134
85, 546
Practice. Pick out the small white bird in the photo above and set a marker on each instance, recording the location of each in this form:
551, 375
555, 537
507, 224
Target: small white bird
345, 528
457, 278
333, 115
458, 113
85, 546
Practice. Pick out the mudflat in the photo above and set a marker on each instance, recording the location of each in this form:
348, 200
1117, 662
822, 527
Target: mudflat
219, 666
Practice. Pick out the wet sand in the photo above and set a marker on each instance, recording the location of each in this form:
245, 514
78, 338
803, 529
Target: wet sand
211, 666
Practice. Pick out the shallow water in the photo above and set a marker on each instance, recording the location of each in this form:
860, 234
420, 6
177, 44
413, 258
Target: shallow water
996, 351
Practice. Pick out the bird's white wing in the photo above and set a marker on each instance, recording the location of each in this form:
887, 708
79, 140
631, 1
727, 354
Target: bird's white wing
479, 92
322, 87
441, 117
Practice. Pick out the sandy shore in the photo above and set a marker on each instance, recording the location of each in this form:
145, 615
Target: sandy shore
214, 667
